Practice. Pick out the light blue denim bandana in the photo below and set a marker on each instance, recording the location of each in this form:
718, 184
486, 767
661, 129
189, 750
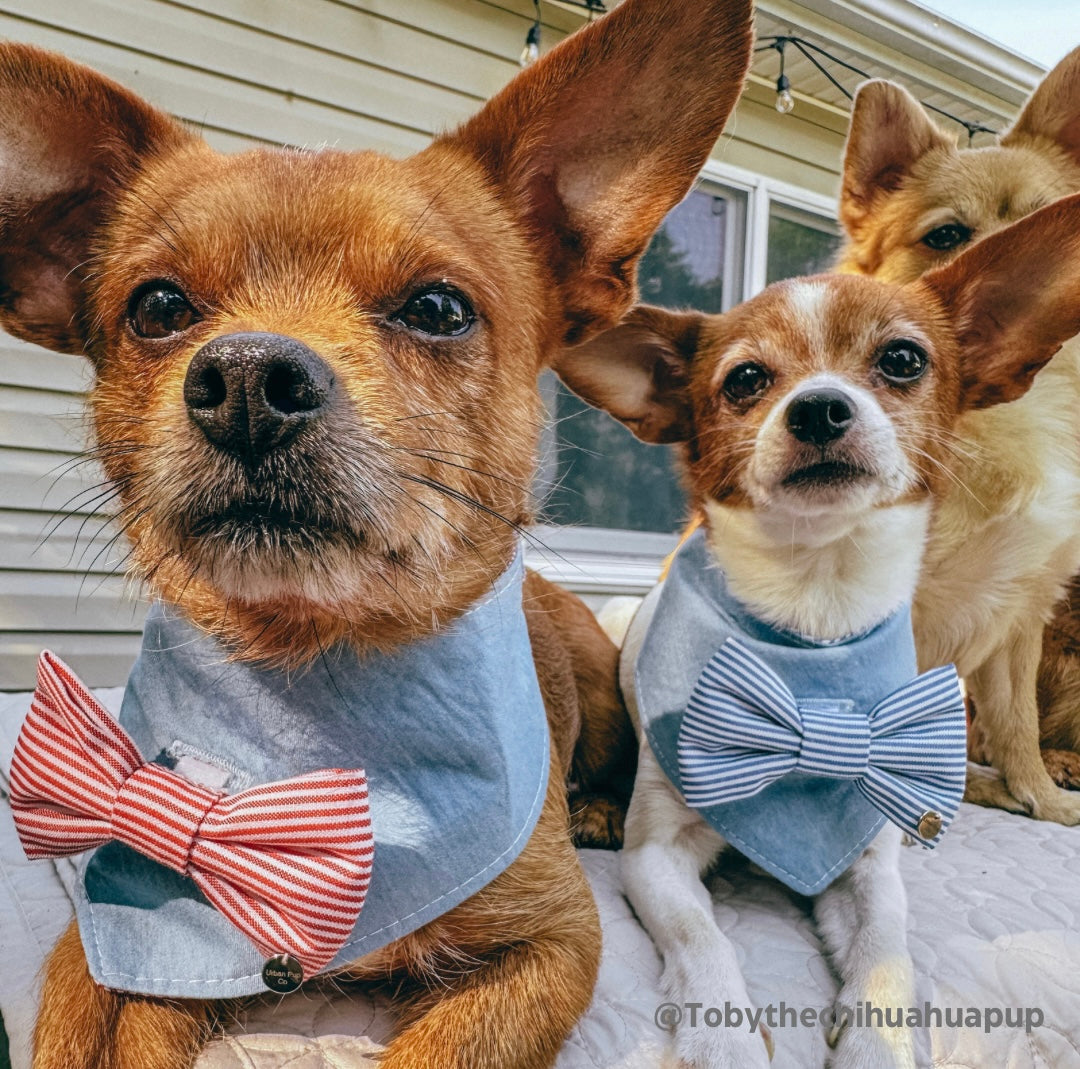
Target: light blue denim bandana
450, 731
806, 830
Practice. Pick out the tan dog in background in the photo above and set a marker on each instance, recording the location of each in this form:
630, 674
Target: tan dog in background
1006, 538
426, 295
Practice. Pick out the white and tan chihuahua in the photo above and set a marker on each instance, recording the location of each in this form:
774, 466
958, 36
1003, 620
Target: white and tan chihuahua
816, 420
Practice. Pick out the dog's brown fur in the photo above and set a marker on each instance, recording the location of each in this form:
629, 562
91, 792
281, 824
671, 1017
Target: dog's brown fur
538, 210
1006, 538
569, 646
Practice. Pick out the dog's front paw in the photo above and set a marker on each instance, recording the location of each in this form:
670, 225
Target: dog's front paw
1043, 800
870, 1044
596, 821
721, 1048
1051, 803
986, 787
856, 1046
1061, 807
1064, 767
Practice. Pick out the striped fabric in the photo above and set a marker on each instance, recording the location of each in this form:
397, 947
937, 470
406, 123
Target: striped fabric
288, 863
743, 729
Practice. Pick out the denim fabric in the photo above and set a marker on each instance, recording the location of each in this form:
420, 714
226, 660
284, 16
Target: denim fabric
805, 830
452, 735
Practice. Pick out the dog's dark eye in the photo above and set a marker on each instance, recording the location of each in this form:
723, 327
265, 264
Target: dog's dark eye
902, 362
949, 236
746, 381
439, 312
159, 309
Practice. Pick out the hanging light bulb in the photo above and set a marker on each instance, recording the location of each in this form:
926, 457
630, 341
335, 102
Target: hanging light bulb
531, 51
785, 102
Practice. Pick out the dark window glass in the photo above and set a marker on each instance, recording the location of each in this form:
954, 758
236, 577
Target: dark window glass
800, 243
602, 476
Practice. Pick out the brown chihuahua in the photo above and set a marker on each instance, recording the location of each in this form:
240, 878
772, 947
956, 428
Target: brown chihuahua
316, 395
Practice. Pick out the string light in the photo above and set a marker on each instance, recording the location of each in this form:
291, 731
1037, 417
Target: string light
785, 102
531, 52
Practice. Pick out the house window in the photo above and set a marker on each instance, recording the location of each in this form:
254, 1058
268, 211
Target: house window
799, 242
599, 474
610, 507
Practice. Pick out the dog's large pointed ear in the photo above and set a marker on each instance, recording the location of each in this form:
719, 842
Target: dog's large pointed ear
1014, 299
1053, 110
639, 371
605, 134
70, 139
889, 133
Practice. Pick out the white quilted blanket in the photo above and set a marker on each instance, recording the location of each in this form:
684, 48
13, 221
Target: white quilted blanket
994, 924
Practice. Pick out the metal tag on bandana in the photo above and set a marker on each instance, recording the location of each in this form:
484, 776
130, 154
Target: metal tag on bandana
283, 973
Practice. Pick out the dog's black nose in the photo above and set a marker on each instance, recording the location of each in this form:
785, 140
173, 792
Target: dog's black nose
251, 393
820, 416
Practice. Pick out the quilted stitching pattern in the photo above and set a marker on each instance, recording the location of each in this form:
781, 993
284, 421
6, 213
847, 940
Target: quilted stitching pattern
994, 921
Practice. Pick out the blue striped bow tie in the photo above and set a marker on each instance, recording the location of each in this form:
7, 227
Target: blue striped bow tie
744, 729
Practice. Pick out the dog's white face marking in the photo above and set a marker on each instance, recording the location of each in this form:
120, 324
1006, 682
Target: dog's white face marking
829, 560
809, 303
828, 537
826, 557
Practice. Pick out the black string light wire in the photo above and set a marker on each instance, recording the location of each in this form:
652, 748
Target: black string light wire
531, 51
778, 43
785, 102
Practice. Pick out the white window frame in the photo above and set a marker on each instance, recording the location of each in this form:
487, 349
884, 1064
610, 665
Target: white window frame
601, 562
761, 192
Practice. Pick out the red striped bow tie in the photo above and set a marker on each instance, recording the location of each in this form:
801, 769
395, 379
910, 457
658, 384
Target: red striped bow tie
288, 863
